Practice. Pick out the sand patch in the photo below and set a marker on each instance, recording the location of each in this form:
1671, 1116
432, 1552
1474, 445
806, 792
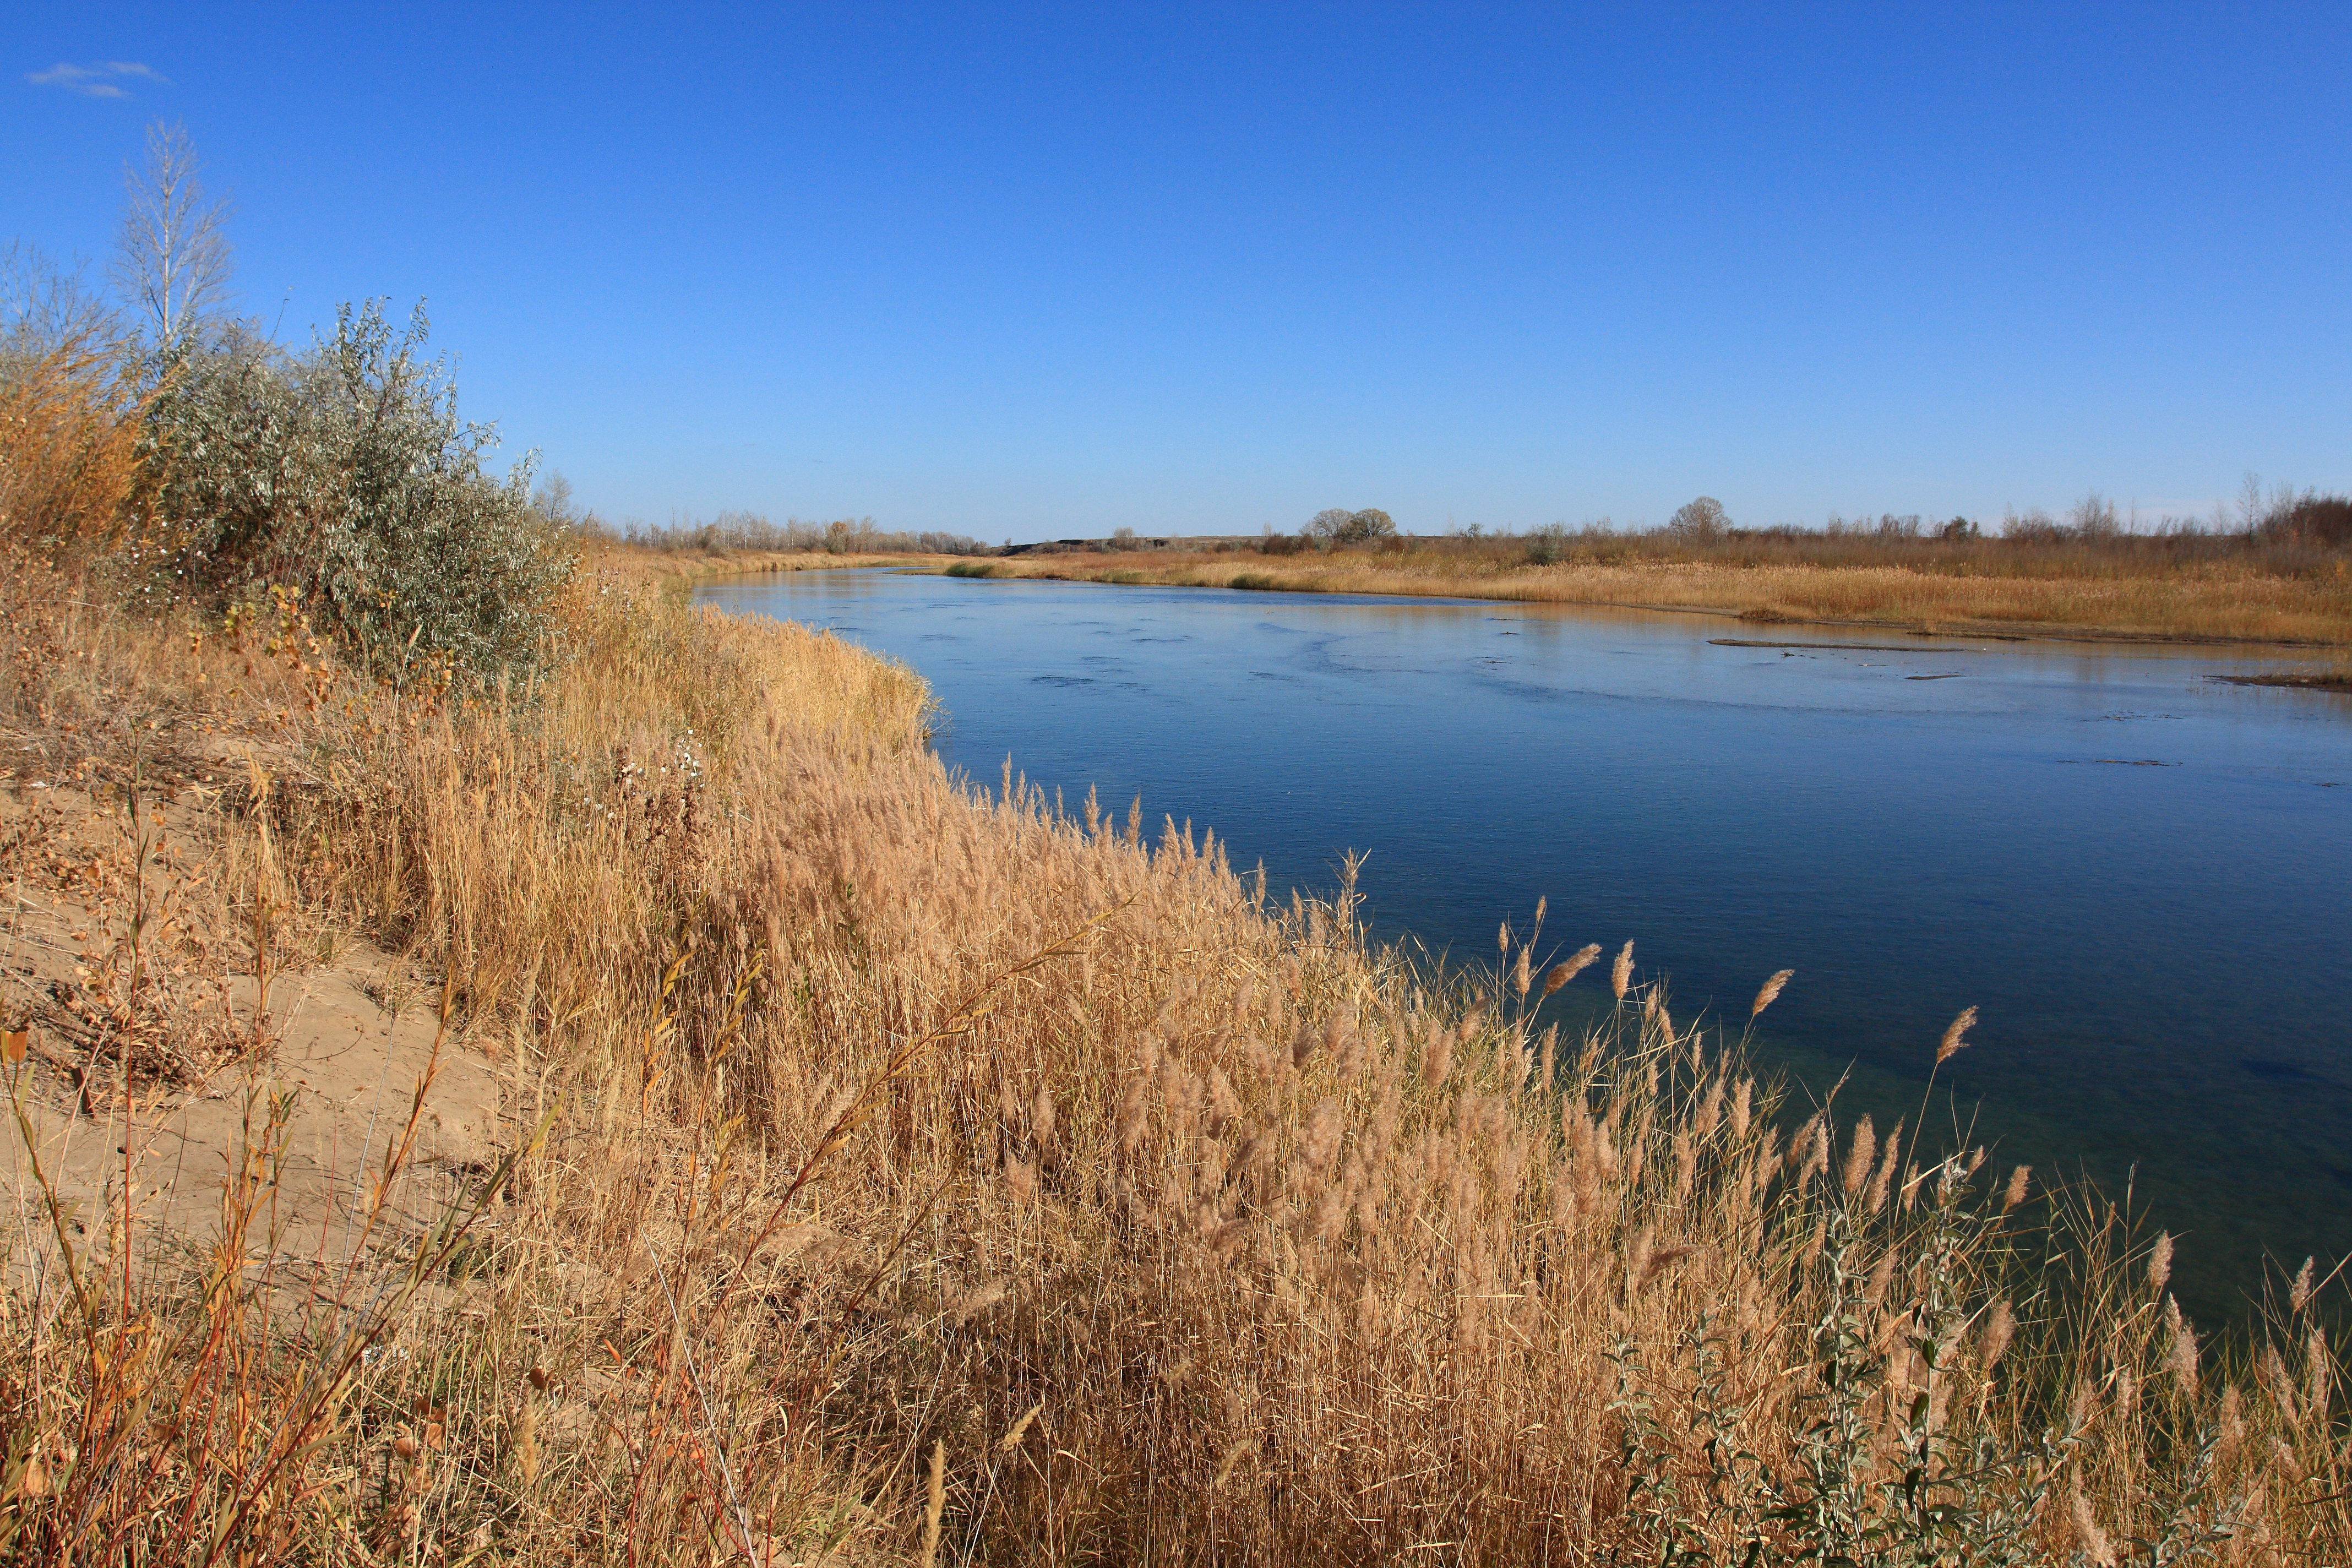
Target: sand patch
344, 1060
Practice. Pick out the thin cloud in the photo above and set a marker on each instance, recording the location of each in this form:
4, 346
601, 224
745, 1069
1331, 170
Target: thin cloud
103, 80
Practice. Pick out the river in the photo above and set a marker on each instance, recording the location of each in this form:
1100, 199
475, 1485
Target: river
2136, 872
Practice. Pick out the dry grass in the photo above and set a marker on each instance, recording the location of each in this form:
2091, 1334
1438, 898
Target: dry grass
68, 454
674, 564
1992, 586
900, 1168
885, 1120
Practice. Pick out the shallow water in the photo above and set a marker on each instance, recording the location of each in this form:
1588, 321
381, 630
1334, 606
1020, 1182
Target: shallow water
2138, 873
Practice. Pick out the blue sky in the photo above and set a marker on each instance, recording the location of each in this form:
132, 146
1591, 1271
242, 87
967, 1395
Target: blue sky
1033, 273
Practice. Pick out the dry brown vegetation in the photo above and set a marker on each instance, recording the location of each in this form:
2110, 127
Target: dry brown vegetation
2173, 586
894, 1168
68, 454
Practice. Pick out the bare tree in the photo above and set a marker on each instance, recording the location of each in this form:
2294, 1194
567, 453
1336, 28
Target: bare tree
45, 307
2094, 517
173, 258
555, 500
1701, 520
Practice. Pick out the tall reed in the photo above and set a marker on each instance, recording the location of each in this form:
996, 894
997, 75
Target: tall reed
906, 1167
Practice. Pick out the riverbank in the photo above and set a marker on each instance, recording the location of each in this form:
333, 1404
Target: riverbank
886, 1168
2074, 597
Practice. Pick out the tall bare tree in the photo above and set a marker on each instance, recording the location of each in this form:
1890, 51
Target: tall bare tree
173, 258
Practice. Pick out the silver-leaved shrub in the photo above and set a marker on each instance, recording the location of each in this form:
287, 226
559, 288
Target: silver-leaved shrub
345, 473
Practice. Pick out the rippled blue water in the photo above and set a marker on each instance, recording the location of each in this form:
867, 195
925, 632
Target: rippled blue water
2138, 874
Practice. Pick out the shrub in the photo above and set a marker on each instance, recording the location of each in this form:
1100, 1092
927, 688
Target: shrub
1341, 526
2312, 519
2034, 525
346, 475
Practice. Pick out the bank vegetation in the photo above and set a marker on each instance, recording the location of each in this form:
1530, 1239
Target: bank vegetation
2279, 571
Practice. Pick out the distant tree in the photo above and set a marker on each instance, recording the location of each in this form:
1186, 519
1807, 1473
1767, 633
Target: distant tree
1701, 520
2319, 519
2094, 517
553, 501
1123, 538
1344, 527
2251, 511
1546, 545
172, 256
2310, 518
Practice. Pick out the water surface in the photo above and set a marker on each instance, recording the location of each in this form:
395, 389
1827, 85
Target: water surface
2136, 872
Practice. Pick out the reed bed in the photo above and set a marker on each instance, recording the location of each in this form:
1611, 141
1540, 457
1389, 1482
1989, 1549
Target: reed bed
904, 1168
901, 1166
1995, 586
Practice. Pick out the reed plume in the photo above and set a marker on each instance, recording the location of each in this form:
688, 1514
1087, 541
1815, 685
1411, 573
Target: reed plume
1771, 991
935, 1504
2183, 1359
1955, 1040
1562, 973
1858, 1157
2000, 1326
1621, 973
1887, 1161
2088, 1535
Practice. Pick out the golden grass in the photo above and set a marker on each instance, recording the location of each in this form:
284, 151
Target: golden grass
898, 1168
904, 1170
677, 567
68, 452
2084, 596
